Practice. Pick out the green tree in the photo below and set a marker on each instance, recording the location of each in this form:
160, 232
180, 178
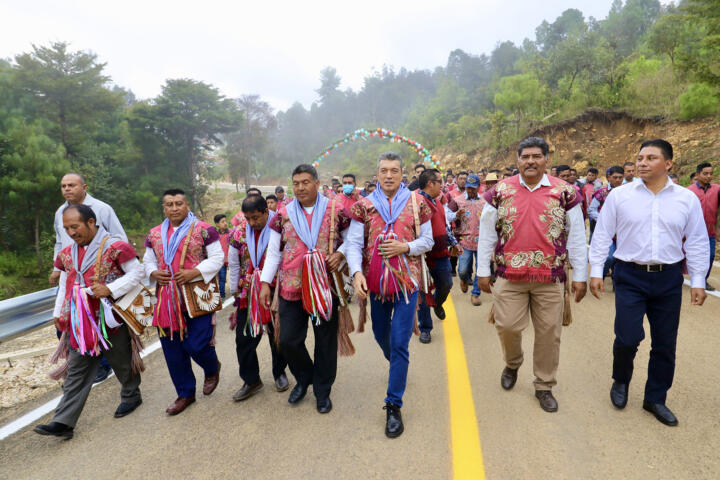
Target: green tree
521, 95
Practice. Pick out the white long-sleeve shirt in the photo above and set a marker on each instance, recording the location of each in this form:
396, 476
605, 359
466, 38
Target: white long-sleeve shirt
208, 268
105, 216
650, 229
134, 274
574, 226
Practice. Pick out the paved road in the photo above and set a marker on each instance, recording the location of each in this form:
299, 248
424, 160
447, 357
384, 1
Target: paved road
265, 437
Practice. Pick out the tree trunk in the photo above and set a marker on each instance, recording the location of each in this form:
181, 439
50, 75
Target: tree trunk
37, 239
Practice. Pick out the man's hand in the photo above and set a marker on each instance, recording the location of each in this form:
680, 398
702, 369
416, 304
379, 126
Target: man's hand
460, 214
54, 277
360, 285
265, 295
56, 321
161, 277
185, 276
484, 284
392, 248
597, 287
100, 291
335, 260
697, 296
579, 289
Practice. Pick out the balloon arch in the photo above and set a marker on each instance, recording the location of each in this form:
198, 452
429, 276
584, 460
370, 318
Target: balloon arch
364, 134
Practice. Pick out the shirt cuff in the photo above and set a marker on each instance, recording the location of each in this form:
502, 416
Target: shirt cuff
482, 271
596, 271
580, 274
697, 281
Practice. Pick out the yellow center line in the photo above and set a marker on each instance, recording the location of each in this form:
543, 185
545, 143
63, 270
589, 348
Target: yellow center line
466, 449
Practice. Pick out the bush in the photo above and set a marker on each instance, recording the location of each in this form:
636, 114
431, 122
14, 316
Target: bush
699, 100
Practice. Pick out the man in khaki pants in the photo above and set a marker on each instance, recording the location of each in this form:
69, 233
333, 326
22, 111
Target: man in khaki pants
531, 225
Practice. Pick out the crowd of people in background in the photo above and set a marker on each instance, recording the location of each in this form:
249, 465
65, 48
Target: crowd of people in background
519, 234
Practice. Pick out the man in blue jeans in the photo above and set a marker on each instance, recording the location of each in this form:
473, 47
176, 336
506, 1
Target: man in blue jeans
438, 259
470, 206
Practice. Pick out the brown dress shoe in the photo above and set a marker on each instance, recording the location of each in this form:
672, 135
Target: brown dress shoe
463, 286
508, 378
247, 391
211, 382
476, 300
179, 405
547, 401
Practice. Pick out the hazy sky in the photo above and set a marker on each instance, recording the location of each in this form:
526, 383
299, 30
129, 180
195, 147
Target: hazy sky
272, 48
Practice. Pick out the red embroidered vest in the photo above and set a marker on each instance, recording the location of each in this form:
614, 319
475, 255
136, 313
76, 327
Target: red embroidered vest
364, 211
532, 239
709, 204
469, 223
293, 249
113, 256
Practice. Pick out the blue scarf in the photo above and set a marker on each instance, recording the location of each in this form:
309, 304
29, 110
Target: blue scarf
308, 235
390, 212
170, 248
255, 257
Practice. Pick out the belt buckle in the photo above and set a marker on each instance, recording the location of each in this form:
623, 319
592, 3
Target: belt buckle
654, 268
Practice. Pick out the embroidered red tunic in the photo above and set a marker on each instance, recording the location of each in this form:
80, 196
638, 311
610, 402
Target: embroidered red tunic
202, 235
532, 239
709, 203
469, 224
293, 249
239, 242
238, 220
112, 258
364, 211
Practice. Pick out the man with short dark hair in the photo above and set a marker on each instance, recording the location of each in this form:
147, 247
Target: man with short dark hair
659, 227
573, 180
438, 258
415, 184
709, 195
468, 223
460, 180
252, 318
282, 199
349, 194
532, 224
298, 252
91, 330
222, 228
272, 202
384, 256
629, 172
183, 337
238, 220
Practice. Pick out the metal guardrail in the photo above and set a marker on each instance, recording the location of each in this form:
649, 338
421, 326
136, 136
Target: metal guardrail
23, 314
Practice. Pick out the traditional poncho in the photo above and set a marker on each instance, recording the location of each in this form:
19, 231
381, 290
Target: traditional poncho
170, 306
403, 228
82, 315
469, 224
532, 239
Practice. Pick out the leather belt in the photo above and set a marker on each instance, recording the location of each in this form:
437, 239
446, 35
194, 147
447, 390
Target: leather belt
657, 267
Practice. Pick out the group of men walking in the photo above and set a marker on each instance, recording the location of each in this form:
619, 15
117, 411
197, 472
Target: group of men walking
285, 260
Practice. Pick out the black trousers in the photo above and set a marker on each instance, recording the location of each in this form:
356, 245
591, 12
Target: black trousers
246, 350
293, 331
659, 296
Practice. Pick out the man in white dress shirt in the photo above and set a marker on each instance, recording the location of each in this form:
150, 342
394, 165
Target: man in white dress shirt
658, 225
532, 225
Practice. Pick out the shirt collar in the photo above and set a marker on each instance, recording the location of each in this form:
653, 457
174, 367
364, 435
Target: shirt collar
668, 185
427, 196
545, 182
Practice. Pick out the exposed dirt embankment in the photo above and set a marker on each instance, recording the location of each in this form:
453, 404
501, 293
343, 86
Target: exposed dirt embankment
602, 138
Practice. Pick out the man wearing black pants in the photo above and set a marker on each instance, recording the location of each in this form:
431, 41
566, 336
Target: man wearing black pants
246, 259
658, 225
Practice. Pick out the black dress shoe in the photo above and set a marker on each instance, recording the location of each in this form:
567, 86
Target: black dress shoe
126, 407
324, 405
619, 394
102, 373
508, 378
439, 312
55, 429
394, 424
425, 337
662, 413
247, 391
297, 394
547, 401
281, 383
